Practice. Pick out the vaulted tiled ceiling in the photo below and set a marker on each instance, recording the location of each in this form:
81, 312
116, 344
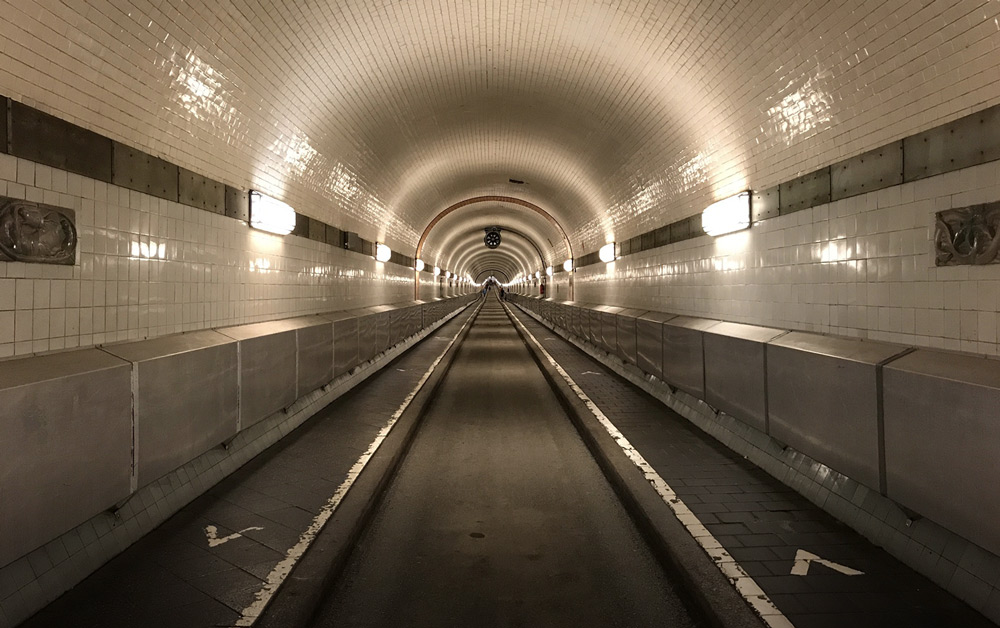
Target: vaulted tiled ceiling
617, 116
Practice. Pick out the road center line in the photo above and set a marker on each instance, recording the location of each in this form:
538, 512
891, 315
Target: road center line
280, 572
745, 584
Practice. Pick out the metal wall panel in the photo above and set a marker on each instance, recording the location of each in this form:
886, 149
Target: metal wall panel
823, 400
345, 341
238, 204
941, 440
765, 204
806, 191
202, 192
66, 444
268, 376
735, 371
46, 139
626, 334
874, 170
649, 342
136, 170
966, 142
383, 326
4, 106
179, 417
683, 353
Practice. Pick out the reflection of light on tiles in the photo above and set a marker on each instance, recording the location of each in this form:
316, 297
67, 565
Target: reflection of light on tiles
835, 251
801, 112
147, 250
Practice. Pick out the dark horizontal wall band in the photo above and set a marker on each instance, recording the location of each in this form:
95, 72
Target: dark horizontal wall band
31, 134
966, 142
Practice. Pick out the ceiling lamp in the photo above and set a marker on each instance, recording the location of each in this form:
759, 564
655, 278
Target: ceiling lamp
382, 252
271, 215
728, 215
607, 252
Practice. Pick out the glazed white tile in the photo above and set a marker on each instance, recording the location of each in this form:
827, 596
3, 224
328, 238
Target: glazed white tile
620, 116
873, 276
150, 267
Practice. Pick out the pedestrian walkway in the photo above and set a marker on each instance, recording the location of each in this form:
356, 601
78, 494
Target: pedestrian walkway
208, 562
816, 570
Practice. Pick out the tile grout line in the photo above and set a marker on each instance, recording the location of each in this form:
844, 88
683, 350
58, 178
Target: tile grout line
744, 583
283, 569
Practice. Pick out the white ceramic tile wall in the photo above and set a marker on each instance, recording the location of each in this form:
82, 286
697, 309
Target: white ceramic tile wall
619, 116
862, 267
149, 267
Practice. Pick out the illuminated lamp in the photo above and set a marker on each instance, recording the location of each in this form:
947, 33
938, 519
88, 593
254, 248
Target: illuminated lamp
437, 271
419, 266
271, 215
607, 252
548, 271
728, 215
382, 252
568, 265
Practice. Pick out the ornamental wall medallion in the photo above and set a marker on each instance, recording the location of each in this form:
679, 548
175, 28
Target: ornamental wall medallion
969, 235
33, 232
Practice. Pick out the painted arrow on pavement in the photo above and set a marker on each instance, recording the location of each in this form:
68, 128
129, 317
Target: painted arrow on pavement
803, 559
213, 535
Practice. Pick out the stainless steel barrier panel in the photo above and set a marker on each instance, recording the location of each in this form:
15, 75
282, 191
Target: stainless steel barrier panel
179, 417
608, 340
65, 444
683, 353
383, 326
562, 315
941, 440
735, 379
649, 342
421, 320
823, 399
314, 340
367, 333
626, 334
345, 341
268, 378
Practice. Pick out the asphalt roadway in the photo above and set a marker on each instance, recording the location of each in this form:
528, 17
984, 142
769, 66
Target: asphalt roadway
499, 516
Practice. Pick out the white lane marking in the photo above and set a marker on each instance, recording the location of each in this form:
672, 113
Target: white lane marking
280, 572
803, 559
212, 533
746, 585
589, 373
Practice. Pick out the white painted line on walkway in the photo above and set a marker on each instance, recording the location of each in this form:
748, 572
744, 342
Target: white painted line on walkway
803, 559
281, 571
746, 585
212, 534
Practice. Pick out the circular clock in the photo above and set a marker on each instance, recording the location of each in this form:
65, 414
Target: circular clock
492, 239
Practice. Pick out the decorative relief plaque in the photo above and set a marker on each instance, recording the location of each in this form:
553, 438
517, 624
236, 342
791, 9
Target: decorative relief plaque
37, 233
969, 235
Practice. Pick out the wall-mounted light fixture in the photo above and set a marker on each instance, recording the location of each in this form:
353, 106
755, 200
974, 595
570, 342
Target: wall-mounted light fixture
447, 274
538, 274
607, 252
728, 215
548, 271
568, 265
437, 271
419, 265
382, 252
271, 215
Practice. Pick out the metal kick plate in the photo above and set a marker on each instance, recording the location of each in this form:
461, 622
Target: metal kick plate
66, 450
874, 170
823, 400
942, 407
181, 417
734, 371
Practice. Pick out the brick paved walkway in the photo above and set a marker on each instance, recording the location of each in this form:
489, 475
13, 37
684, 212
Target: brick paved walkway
761, 522
174, 578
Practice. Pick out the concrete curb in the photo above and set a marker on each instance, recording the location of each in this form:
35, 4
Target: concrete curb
708, 589
301, 595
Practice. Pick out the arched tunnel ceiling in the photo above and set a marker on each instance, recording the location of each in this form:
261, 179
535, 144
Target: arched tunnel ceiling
441, 241
374, 117
471, 248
